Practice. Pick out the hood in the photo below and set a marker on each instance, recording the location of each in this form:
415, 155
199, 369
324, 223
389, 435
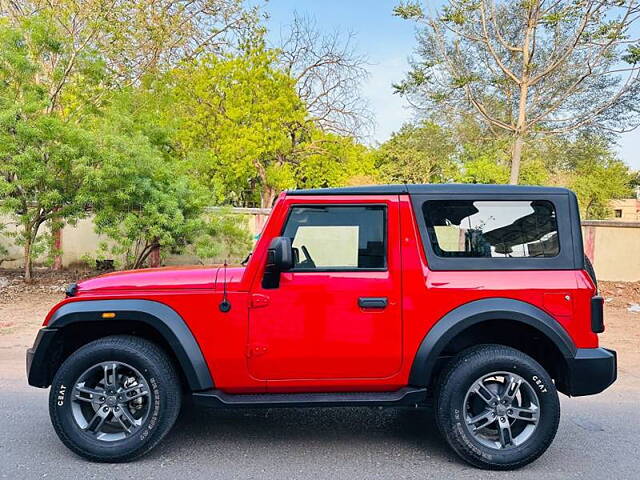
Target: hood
233, 277
153, 279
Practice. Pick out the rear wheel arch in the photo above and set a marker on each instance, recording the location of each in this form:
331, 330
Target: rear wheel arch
78, 323
501, 321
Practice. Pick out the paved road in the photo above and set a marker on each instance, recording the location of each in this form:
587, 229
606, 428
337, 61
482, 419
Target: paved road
598, 438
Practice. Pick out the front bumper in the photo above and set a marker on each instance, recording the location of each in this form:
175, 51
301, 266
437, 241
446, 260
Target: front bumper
42, 357
591, 371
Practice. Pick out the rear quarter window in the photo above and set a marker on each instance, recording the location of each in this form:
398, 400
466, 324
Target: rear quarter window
510, 231
492, 228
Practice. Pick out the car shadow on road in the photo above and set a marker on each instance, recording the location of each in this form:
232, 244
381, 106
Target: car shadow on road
291, 430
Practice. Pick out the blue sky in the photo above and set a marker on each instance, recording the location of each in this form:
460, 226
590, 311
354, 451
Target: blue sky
388, 42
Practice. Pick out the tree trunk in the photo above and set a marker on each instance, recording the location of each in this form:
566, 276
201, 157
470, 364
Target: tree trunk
146, 252
267, 196
27, 259
154, 257
57, 246
56, 233
516, 155
521, 125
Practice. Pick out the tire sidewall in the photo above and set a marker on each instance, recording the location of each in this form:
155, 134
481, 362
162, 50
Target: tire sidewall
61, 399
451, 412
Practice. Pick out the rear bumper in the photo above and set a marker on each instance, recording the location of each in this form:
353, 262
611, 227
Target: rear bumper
591, 371
40, 358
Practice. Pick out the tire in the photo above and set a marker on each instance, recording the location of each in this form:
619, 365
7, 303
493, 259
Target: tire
456, 406
143, 419
588, 266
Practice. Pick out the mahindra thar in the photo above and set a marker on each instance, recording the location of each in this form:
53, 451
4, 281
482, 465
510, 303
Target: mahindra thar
475, 300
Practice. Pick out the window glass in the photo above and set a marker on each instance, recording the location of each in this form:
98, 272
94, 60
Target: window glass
337, 237
492, 229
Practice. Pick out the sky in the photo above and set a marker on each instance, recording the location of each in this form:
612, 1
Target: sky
387, 42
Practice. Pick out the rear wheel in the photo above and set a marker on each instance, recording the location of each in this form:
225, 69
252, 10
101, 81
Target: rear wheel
114, 399
497, 407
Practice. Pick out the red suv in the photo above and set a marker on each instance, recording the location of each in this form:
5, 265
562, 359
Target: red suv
474, 299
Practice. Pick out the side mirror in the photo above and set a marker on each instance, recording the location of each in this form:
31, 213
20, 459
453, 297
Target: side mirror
279, 259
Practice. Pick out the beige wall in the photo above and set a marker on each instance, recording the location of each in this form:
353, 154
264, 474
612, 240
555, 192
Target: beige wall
614, 249
613, 246
626, 210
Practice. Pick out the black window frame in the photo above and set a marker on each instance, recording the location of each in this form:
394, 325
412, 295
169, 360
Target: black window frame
570, 256
385, 217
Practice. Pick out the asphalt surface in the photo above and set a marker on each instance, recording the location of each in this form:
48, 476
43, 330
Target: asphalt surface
598, 438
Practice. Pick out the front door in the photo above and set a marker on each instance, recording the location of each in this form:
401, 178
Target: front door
337, 313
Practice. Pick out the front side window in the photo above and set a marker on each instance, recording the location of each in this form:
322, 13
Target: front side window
492, 229
337, 237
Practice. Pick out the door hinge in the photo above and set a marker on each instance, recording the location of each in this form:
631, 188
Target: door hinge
258, 300
256, 350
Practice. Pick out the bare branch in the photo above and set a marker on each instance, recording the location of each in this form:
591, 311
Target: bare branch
329, 74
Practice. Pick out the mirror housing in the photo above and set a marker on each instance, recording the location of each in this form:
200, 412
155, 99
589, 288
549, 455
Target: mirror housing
279, 259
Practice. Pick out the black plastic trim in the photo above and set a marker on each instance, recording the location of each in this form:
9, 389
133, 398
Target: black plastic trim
41, 356
372, 302
471, 313
220, 399
432, 188
597, 314
591, 371
571, 256
162, 318
576, 232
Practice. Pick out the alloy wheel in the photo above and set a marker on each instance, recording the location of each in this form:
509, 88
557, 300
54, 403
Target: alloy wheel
501, 410
111, 401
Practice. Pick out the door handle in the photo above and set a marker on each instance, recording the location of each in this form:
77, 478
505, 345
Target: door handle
372, 302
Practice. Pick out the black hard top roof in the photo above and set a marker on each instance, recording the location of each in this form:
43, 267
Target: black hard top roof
437, 188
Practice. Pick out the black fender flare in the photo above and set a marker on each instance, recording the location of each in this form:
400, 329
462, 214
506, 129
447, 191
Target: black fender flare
158, 316
477, 311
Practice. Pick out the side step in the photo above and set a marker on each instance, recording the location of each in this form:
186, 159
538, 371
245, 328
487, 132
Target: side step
219, 399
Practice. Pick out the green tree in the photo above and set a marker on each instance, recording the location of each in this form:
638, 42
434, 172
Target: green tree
142, 197
418, 153
44, 160
330, 160
225, 236
597, 182
132, 38
528, 68
236, 120
589, 166
139, 202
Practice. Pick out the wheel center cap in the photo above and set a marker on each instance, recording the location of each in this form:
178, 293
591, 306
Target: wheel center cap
112, 401
501, 410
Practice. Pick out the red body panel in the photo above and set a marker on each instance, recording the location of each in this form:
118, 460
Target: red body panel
312, 331
310, 335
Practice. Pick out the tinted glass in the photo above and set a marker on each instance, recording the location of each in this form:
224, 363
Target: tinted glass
337, 238
492, 229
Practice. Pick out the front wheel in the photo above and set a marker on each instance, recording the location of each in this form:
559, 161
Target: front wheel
497, 407
114, 399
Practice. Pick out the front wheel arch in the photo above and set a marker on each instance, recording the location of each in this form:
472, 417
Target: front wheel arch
78, 323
